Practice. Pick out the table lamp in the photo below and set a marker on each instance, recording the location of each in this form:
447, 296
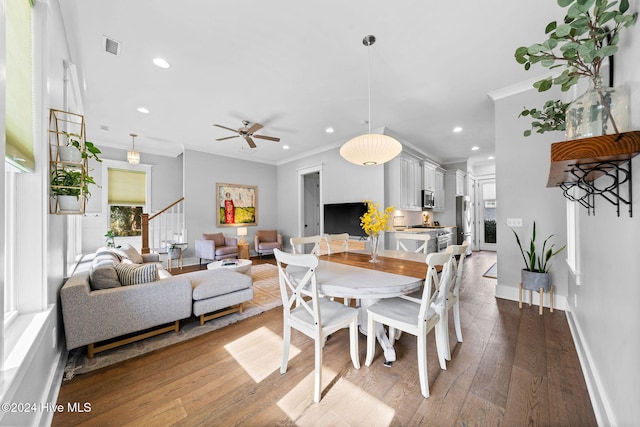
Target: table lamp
242, 231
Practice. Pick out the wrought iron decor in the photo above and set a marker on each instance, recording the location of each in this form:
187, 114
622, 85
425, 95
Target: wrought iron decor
584, 189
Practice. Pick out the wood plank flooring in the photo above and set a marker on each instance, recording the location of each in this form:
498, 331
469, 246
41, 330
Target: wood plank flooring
514, 368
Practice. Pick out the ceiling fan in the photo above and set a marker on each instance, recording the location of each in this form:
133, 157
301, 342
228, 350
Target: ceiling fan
247, 133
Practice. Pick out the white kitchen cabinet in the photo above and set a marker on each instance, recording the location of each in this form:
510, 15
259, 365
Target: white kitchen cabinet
438, 192
461, 183
429, 176
403, 182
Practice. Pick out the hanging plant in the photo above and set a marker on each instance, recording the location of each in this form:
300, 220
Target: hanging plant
588, 35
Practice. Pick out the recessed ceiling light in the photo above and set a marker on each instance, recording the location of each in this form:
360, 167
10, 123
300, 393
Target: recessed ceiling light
143, 110
475, 148
160, 62
329, 130
285, 147
457, 129
491, 157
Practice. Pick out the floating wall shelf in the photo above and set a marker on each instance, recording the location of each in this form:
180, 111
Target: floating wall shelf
577, 164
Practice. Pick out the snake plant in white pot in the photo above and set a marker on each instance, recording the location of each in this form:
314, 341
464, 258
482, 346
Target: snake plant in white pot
535, 275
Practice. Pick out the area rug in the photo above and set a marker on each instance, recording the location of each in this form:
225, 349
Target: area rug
492, 272
266, 295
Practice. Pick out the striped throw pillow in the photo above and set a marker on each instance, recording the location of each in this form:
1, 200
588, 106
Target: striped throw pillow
135, 274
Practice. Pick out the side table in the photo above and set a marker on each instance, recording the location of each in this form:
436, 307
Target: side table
243, 250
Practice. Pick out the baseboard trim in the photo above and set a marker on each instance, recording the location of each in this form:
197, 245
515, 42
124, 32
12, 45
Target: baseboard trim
599, 402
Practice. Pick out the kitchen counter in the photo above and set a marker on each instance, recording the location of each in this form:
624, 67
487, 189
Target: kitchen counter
423, 229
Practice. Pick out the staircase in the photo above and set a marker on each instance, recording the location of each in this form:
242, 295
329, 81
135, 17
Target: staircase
163, 227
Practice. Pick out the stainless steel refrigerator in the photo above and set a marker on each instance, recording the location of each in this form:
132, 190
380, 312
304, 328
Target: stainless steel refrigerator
464, 222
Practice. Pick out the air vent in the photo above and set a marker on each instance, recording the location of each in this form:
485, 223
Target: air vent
112, 46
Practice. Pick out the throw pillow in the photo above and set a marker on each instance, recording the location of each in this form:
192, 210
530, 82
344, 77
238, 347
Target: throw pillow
129, 252
133, 274
104, 277
218, 238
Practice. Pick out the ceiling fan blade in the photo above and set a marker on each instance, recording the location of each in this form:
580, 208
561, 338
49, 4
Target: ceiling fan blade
254, 128
270, 138
228, 137
224, 127
250, 142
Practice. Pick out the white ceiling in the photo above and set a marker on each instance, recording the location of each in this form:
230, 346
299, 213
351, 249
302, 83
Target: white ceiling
298, 67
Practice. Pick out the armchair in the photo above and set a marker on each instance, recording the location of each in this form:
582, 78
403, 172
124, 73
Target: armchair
265, 241
216, 247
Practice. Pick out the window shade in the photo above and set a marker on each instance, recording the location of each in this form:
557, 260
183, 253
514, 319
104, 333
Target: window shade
127, 187
19, 86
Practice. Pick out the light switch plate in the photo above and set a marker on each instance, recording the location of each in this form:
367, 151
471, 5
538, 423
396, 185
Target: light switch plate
514, 222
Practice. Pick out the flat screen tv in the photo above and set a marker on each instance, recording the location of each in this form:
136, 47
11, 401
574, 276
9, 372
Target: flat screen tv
344, 218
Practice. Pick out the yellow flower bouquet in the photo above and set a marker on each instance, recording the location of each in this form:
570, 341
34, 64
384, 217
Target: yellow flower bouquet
373, 222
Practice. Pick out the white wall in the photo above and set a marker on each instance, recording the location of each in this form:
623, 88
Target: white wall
201, 173
603, 301
340, 182
522, 169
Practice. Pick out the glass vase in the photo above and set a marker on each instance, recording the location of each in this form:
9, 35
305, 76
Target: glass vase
374, 239
599, 111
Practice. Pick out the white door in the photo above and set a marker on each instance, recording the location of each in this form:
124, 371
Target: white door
486, 214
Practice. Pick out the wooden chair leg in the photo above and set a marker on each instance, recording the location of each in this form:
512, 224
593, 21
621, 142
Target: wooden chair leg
520, 296
541, 300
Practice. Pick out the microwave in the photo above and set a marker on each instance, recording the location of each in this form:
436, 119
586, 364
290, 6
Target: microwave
427, 199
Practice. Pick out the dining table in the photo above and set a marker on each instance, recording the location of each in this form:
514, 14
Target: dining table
351, 275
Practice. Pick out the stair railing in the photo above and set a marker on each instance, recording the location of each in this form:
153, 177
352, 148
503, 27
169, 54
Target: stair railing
163, 227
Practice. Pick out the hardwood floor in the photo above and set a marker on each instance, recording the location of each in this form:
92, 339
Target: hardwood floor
514, 368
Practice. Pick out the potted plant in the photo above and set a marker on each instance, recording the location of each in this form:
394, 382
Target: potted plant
68, 185
110, 239
535, 275
588, 35
72, 151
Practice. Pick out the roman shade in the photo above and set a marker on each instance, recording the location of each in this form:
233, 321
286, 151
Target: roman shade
19, 86
127, 187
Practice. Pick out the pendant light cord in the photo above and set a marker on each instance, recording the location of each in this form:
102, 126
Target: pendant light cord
369, 85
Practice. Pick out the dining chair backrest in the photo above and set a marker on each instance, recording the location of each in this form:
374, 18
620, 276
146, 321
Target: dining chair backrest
436, 287
297, 281
341, 245
457, 264
401, 238
299, 243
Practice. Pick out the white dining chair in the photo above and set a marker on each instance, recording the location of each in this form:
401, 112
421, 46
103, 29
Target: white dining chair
299, 243
310, 314
416, 316
341, 242
401, 238
453, 294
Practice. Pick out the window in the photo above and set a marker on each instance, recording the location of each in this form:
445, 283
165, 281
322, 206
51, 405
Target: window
126, 199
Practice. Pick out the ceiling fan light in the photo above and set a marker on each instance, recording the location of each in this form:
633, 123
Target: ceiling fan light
370, 149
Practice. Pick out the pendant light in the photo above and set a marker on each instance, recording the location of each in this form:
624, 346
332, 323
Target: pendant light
133, 156
370, 149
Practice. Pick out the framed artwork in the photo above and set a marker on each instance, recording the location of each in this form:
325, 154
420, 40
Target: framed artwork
237, 205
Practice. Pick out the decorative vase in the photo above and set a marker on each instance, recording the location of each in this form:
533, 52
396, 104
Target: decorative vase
374, 239
69, 153
68, 203
534, 281
599, 111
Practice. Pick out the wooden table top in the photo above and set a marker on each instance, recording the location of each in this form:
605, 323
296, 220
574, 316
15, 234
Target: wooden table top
386, 264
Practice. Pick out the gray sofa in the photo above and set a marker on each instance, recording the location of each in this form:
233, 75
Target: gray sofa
95, 312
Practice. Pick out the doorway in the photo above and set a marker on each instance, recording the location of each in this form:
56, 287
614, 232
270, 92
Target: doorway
310, 201
486, 214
